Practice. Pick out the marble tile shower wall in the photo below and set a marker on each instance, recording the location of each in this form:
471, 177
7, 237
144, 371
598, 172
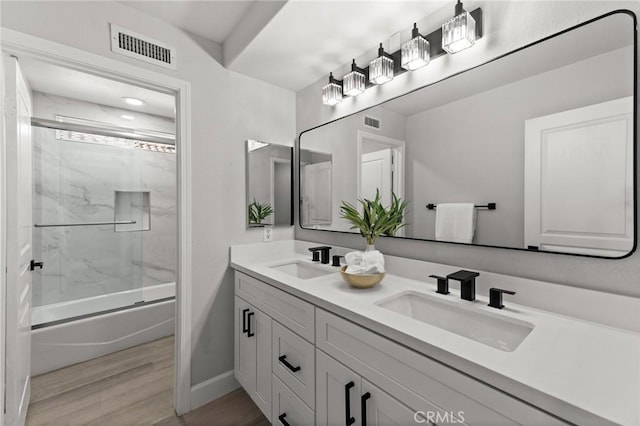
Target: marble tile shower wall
75, 182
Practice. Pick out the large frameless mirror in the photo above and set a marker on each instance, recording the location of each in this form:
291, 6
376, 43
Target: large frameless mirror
269, 184
540, 142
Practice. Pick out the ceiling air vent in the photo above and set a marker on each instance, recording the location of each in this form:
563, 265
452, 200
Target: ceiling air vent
372, 123
134, 45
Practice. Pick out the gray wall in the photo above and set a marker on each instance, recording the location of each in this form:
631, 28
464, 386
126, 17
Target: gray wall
227, 108
472, 150
507, 26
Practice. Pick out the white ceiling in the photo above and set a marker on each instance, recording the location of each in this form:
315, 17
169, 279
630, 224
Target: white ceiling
59, 81
306, 39
297, 42
213, 20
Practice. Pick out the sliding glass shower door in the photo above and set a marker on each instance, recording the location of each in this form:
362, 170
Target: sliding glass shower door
90, 212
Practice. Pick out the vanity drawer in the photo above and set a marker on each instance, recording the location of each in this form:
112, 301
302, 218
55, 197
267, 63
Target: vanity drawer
294, 313
415, 379
287, 408
300, 355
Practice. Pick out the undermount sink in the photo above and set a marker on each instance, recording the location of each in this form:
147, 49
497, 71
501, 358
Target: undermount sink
302, 270
494, 330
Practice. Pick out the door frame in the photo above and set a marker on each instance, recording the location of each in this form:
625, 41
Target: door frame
272, 176
25, 45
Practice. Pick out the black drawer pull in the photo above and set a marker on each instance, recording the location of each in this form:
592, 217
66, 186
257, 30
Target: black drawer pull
283, 359
282, 420
348, 420
363, 407
244, 320
249, 333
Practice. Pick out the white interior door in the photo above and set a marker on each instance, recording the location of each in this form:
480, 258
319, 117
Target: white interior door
376, 175
579, 180
18, 250
317, 203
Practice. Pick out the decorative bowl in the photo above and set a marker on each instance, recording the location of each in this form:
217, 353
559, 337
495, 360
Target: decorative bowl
361, 281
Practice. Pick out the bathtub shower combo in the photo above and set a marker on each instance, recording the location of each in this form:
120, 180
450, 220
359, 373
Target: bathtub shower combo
105, 229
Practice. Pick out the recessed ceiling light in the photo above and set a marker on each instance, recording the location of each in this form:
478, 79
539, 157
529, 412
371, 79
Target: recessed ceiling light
128, 117
134, 101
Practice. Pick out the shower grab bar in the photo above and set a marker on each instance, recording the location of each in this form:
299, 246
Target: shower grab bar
124, 222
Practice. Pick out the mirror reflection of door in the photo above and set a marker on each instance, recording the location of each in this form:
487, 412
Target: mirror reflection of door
578, 185
380, 168
281, 191
316, 205
376, 175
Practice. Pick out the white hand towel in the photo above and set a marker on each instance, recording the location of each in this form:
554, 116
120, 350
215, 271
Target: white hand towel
368, 262
455, 222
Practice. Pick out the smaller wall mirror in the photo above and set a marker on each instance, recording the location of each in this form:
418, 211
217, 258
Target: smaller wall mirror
269, 184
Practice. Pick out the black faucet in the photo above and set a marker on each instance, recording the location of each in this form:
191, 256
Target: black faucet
324, 254
335, 260
443, 284
495, 297
467, 283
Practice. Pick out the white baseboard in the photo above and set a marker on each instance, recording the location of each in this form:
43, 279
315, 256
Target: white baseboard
213, 388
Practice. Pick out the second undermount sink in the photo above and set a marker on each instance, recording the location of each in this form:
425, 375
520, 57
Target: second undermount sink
302, 270
494, 330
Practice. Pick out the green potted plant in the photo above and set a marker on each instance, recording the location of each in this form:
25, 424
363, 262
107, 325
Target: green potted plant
259, 212
375, 219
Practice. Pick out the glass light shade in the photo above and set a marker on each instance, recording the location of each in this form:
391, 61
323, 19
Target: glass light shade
459, 33
353, 83
415, 53
332, 94
381, 70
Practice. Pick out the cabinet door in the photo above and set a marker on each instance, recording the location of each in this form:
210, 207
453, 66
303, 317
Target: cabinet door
252, 363
337, 393
245, 348
378, 408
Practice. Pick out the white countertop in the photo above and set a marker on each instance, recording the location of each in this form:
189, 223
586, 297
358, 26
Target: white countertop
578, 370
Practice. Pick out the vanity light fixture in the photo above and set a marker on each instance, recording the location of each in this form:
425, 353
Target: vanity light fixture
134, 101
332, 92
415, 52
381, 68
354, 83
459, 32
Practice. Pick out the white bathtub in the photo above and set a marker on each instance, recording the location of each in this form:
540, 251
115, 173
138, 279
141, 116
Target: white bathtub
68, 343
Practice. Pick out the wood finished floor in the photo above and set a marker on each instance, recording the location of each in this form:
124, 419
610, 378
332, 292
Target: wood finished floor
130, 387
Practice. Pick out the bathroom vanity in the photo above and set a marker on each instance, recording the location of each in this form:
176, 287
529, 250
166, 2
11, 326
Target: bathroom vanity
309, 349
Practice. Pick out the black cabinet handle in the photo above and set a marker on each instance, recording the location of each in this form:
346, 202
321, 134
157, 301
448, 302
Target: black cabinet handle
363, 407
33, 265
282, 420
244, 320
249, 333
283, 359
348, 420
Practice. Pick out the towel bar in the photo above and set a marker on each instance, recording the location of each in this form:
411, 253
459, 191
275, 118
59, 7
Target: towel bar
488, 206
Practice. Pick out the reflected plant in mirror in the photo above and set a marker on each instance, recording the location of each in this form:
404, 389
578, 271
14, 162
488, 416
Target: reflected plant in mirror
269, 184
544, 134
258, 212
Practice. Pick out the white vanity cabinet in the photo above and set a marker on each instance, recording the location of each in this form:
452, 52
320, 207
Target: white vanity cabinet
274, 350
412, 383
303, 365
